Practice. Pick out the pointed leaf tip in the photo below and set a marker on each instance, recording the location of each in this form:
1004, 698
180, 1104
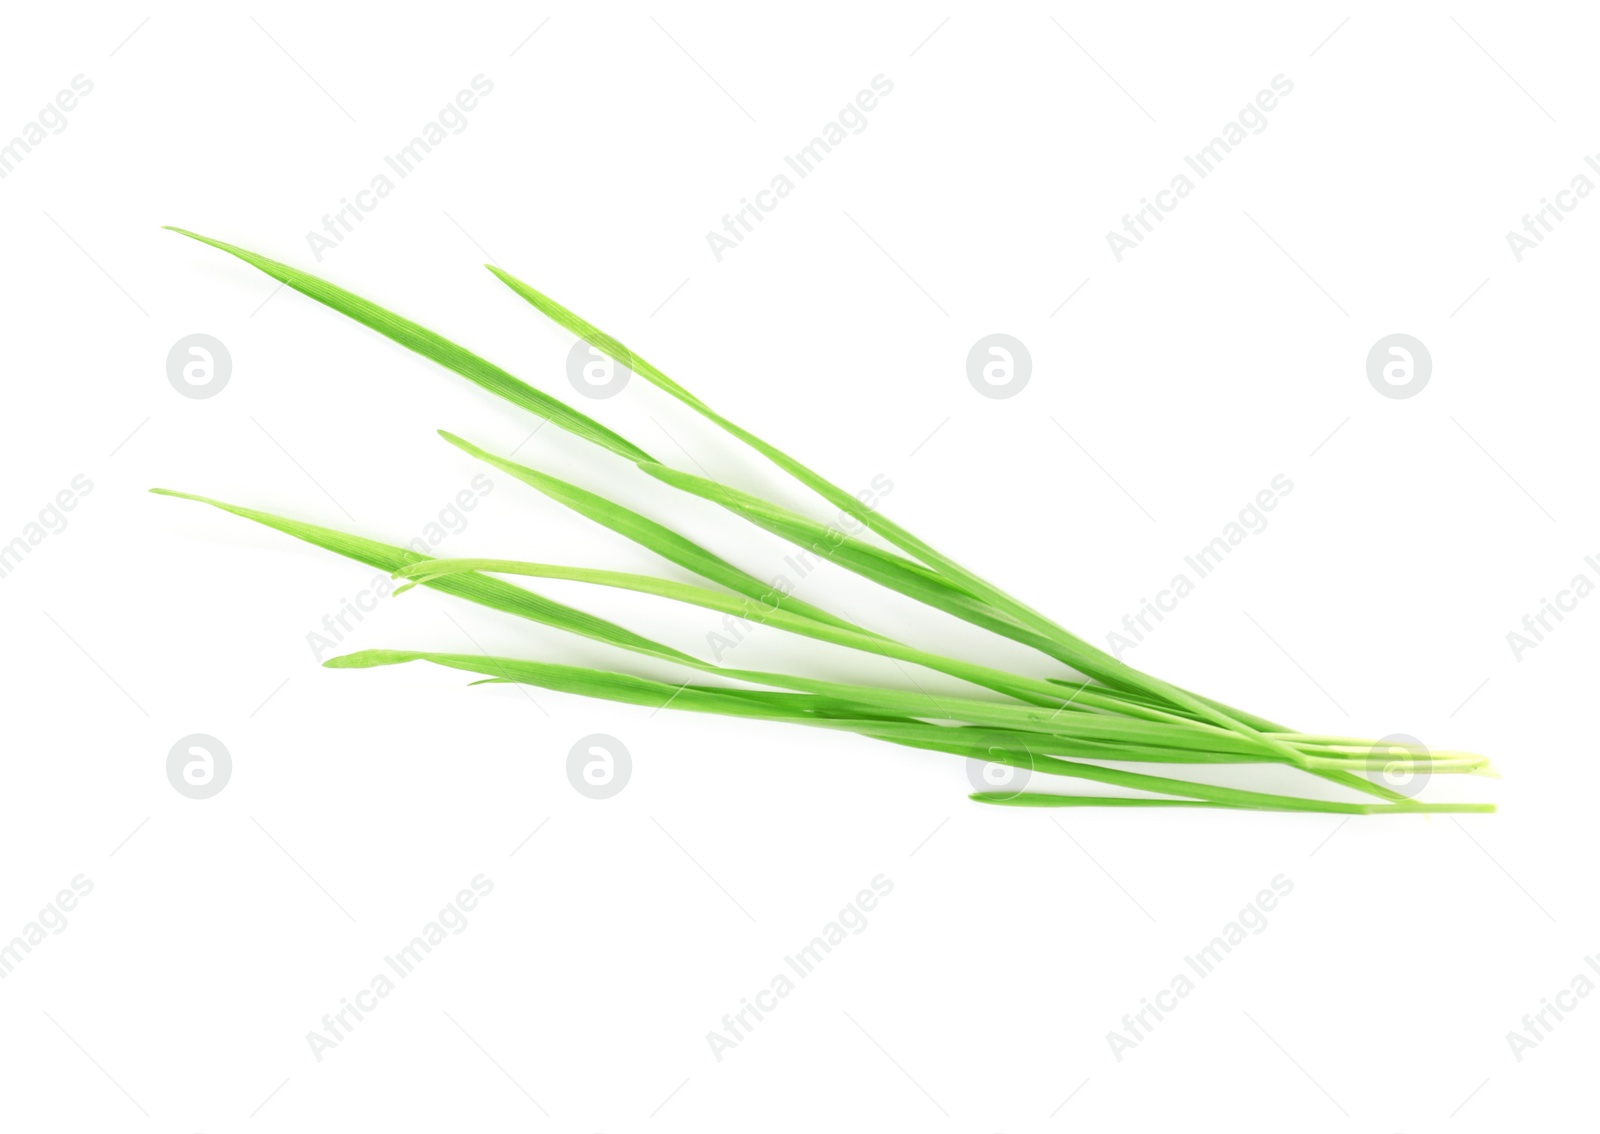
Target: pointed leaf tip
189, 234
178, 495
464, 445
361, 659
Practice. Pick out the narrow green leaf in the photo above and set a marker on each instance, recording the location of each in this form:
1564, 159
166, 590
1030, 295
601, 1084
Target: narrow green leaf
1032, 690
480, 589
655, 694
647, 533
1405, 807
1105, 801
450, 355
848, 700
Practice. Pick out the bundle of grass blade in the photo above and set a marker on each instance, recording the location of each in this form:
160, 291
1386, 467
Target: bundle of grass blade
1111, 713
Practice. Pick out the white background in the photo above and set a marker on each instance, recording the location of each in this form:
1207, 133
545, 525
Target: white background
1173, 386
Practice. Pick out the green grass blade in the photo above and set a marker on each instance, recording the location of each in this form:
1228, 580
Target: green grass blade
450, 355
1405, 807
578, 680
1052, 757
1140, 781
849, 700
981, 742
656, 695
480, 589
647, 533
1104, 801
1031, 690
